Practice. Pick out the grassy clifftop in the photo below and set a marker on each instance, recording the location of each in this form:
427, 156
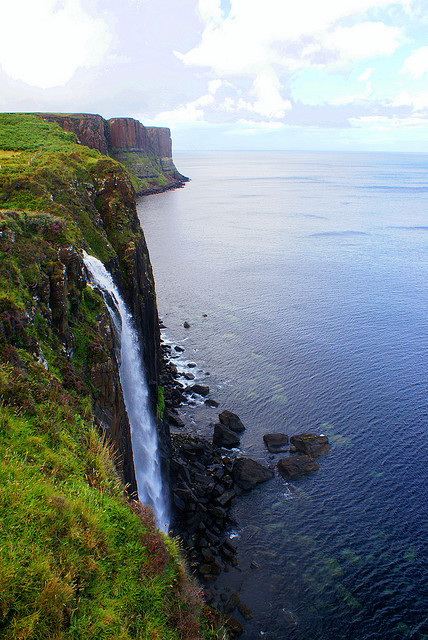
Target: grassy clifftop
77, 558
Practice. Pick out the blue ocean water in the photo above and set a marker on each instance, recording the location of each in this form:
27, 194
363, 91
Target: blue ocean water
304, 279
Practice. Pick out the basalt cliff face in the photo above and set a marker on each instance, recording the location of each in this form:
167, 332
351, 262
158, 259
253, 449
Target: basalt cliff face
145, 151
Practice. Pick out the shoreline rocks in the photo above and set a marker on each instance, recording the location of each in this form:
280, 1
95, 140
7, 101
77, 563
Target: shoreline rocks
276, 442
248, 473
310, 444
231, 420
297, 465
225, 437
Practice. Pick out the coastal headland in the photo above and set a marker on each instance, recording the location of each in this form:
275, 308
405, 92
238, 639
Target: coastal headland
80, 558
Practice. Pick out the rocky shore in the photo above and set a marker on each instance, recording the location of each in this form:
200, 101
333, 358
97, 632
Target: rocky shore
207, 477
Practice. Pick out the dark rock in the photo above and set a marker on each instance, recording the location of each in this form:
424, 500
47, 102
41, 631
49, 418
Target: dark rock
207, 555
245, 611
186, 325
296, 465
232, 603
224, 437
212, 568
215, 540
248, 473
231, 420
311, 444
174, 419
191, 365
179, 349
211, 403
188, 376
218, 512
179, 503
276, 442
226, 553
200, 389
235, 627
227, 544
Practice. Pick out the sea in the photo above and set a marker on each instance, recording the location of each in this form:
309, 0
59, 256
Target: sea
303, 277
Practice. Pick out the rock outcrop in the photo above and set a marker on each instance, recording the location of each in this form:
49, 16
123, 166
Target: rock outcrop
90, 129
145, 151
248, 473
276, 442
310, 443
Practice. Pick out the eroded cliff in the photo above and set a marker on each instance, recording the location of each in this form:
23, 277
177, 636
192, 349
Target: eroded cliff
145, 151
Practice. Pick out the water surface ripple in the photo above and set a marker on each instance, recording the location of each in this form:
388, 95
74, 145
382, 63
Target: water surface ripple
312, 270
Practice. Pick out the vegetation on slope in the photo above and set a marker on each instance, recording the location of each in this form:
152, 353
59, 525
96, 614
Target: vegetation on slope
77, 560
146, 173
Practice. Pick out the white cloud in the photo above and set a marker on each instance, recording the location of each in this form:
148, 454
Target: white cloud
193, 111
363, 40
417, 99
365, 76
269, 103
251, 36
43, 42
382, 123
417, 63
263, 42
211, 11
253, 127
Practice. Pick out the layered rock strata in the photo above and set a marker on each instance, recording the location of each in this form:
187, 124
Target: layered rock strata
145, 151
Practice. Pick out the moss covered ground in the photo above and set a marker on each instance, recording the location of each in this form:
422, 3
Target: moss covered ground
77, 559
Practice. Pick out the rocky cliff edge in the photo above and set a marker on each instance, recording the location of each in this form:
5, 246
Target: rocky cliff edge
145, 151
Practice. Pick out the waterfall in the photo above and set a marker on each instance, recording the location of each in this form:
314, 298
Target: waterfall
136, 395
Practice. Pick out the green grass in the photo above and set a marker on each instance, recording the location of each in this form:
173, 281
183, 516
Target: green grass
136, 164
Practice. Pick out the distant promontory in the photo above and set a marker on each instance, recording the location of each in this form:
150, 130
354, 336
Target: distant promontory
145, 151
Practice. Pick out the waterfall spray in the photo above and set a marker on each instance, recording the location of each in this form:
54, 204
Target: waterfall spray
136, 395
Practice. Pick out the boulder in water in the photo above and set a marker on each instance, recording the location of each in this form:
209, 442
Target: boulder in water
310, 443
224, 437
231, 420
248, 473
276, 442
200, 389
297, 465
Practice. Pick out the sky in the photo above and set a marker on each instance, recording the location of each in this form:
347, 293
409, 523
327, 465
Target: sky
228, 74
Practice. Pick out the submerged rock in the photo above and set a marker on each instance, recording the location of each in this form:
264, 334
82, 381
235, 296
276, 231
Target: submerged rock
276, 442
234, 626
173, 418
297, 465
211, 403
310, 443
231, 420
248, 473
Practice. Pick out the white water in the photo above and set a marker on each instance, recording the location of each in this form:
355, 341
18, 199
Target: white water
136, 395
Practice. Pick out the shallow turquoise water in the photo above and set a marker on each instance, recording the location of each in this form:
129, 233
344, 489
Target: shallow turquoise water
312, 271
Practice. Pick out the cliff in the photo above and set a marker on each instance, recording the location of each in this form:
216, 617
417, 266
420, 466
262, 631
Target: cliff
145, 151
77, 559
